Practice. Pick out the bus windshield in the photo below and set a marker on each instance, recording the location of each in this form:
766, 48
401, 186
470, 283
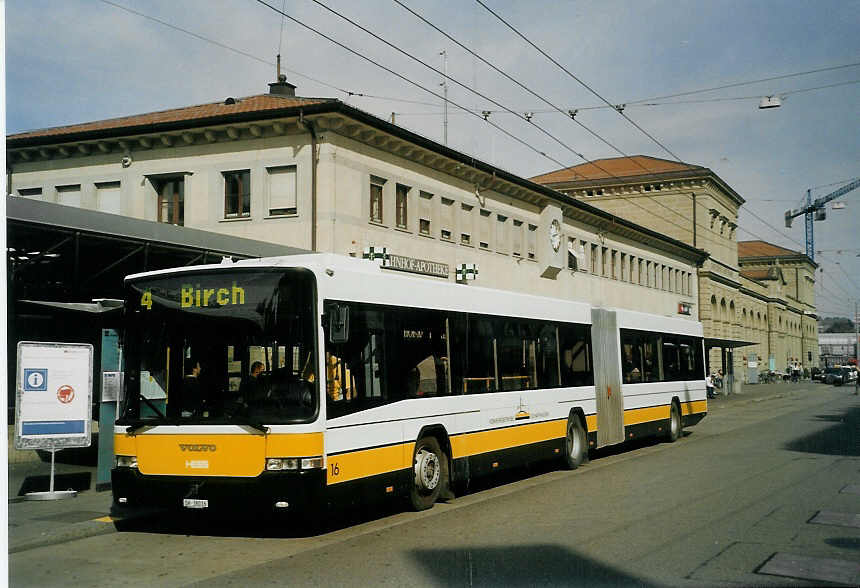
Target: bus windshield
235, 346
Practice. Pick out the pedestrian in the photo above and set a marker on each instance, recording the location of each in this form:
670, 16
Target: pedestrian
709, 386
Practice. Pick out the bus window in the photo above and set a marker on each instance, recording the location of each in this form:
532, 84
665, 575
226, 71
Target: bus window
671, 365
631, 360
479, 361
574, 343
650, 358
357, 370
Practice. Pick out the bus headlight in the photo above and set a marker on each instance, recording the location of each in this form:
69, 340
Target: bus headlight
312, 463
126, 461
282, 463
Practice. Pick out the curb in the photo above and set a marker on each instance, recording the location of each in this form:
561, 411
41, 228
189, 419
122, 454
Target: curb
70, 533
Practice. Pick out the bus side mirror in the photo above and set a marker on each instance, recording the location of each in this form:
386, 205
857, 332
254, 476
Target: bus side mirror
338, 323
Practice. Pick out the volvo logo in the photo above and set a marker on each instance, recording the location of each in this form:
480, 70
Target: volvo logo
201, 447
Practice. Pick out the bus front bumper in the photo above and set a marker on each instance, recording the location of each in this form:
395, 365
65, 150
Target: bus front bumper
280, 492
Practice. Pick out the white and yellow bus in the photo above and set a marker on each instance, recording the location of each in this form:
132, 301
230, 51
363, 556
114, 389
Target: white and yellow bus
281, 384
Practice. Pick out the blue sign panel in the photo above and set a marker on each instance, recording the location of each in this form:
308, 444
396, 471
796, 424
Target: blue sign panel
52, 427
35, 379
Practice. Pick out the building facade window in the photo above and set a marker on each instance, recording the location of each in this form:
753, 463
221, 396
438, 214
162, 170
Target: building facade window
531, 241
484, 229
501, 233
69, 195
108, 197
401, 203
376, 212
282, 190
237, 193
425, 213
517, 238
466, 224
35, 193
171, 200
446, 218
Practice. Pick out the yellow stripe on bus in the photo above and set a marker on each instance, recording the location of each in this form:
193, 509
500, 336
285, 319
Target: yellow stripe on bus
294, 445
486, 441
635, 416
694, 407
369, 462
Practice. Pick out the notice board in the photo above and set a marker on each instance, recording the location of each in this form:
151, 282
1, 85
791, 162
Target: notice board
54, 395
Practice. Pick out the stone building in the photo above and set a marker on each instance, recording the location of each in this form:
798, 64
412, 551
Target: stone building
756, 300
320, 175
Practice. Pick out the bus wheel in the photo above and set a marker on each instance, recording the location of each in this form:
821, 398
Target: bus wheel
575, 444
675, 426
430, 469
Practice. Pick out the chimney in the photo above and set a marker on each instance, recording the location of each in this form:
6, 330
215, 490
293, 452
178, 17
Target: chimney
282, 87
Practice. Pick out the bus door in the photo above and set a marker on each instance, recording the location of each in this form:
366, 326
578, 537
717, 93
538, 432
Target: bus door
607, 378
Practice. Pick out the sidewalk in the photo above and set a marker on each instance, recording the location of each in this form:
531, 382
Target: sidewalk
40, 523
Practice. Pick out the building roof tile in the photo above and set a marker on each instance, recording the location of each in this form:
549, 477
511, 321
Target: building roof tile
763, 249
214, 110
599, 169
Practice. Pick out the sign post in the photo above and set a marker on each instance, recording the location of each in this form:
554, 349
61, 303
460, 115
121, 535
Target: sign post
54, 396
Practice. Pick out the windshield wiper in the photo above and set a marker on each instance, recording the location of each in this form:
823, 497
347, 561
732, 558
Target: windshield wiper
257, 427
137, 426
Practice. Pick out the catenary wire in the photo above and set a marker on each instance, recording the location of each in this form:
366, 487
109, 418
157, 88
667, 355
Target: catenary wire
518, 83
446, 76
407, 80
572, 75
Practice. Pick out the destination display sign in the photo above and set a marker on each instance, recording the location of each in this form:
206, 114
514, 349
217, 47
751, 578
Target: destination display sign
416, 266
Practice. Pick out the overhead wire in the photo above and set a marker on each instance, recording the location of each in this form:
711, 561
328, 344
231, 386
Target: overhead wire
747, 83
446, 76
578, 109
205, 39
406, 79
618, 109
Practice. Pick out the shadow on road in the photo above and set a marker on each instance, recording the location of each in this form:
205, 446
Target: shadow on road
843, 438
518, 565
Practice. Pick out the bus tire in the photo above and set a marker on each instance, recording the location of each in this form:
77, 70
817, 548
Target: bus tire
575, 443
430, 473
676, 427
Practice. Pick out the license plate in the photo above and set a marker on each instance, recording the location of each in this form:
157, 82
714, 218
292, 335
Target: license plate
195, 503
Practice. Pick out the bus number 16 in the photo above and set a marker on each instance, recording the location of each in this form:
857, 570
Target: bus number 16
335, 469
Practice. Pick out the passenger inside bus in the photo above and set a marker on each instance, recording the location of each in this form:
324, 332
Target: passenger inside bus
192, 401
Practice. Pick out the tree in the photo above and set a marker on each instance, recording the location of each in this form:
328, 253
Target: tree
837, 325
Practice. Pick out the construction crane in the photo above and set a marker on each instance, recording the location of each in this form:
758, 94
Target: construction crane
817, 210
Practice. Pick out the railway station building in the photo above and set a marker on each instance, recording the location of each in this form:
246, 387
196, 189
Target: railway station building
315, 174
756, 300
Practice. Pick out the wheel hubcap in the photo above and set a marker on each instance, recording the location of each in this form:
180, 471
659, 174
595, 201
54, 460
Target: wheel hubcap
426, 470
674, 421
573, 442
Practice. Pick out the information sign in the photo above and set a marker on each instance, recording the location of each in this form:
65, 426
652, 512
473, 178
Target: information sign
54, 395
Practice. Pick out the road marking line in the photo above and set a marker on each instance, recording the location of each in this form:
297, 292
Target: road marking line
841, 519
811, 568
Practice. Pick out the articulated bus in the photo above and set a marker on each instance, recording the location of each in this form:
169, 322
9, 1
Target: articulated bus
280, 385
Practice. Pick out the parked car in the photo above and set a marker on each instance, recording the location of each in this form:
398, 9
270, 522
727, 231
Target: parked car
840, 375
831, 375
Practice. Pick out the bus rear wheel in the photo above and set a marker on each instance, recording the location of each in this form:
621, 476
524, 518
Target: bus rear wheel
430, 473
675, 425
575, 443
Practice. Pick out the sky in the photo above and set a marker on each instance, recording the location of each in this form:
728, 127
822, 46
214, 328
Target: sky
75, 61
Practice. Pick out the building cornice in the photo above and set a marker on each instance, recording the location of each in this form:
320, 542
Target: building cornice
340, 118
